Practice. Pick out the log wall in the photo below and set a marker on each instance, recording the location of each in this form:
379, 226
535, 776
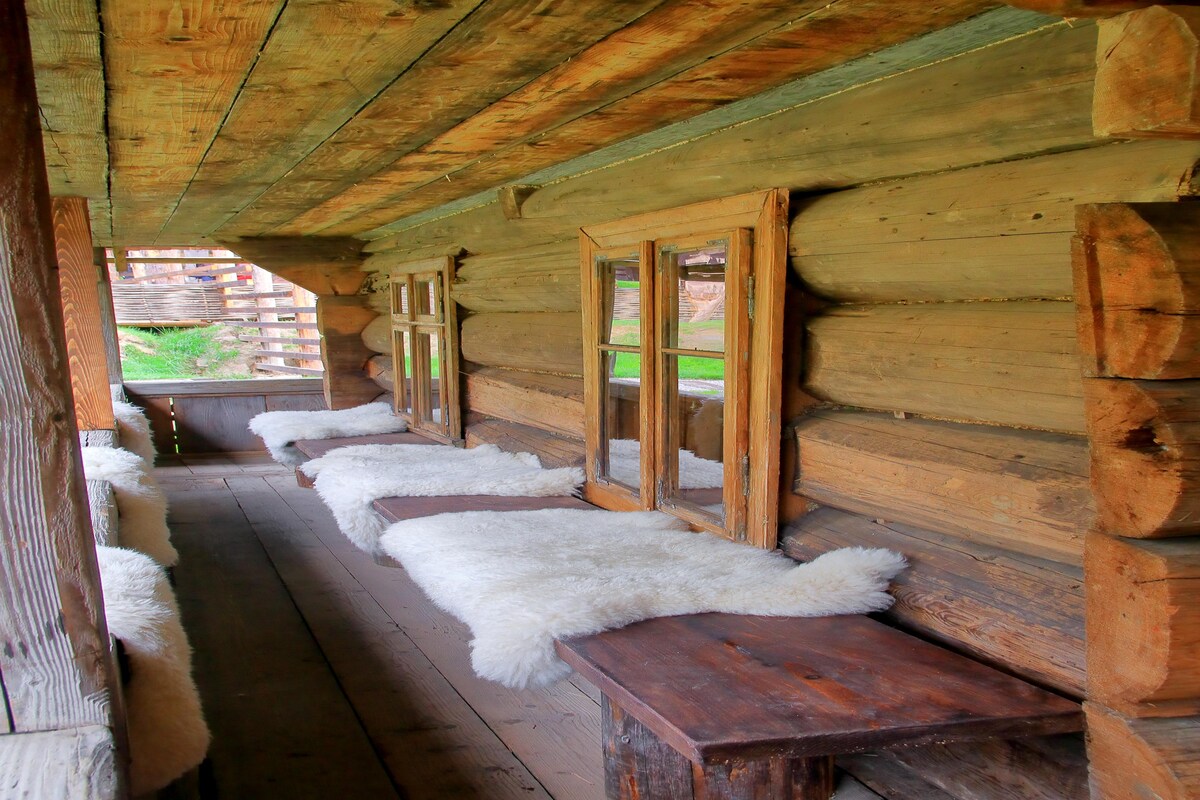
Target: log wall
937, 405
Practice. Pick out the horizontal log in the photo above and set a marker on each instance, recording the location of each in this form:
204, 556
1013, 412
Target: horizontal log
1145, 438
554, 451
380, 369
546, 342
145, 390
1137, 273
994, 103
999, 231
543, 278
341, 321
1005, 363
326, 265
1146, 76
283, 368
1137, 759
1024, 490
294, 326
377, 336
1143, 621
551, 402
279, 340
1081, 8
1016, 612
289, 354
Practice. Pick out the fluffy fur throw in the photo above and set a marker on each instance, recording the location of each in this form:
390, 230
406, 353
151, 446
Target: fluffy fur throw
625, 465
133, 431
280, 429
349, 479
141, 504
522, 579
167, 732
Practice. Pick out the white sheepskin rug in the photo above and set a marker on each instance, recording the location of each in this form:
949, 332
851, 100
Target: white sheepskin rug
133, 431
167, 732
350, 479
521, 579
141, 504
625, 465
280, 429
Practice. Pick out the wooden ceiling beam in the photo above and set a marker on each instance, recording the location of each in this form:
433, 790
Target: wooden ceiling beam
172, 79
298, 95
323, 265
678, 61
65, 36
499, 48
1082, 8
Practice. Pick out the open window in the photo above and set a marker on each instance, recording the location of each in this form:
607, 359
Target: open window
683, 314
425, 348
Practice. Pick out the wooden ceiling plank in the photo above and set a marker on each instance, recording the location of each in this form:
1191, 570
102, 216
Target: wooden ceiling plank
553, 121
317, 71
174, 68
65, 35
499, 48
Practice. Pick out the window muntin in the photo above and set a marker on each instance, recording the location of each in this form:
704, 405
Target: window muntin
425, 335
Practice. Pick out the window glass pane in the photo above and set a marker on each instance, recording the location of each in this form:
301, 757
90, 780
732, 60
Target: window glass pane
432, 403
698, 303
400, 296
401, 366
426, 296
621, 452
620, 300
695, 406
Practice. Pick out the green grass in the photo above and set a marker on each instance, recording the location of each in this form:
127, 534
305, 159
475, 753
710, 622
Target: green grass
628, 285
179, 353
435, 366
629, 365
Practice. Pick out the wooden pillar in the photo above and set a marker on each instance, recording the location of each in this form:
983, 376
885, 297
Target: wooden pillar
108, 318
340, 321
80, 286
55, 671
1137, 277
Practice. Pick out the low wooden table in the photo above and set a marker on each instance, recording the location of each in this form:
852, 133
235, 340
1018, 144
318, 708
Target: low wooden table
726, 706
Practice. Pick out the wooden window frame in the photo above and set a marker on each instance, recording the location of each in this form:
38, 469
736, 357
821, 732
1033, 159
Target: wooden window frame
756, 225
442, 321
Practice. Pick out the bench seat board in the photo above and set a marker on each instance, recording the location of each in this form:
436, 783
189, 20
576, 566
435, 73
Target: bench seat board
723, 687
315, 448
395, 509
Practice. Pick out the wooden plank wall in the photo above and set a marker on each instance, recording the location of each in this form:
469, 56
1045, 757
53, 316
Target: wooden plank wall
937, 406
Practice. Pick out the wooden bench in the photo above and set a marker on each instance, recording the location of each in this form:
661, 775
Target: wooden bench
315, 448
720, 706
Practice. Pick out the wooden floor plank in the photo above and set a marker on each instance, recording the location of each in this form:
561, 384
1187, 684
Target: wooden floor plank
435, 745
281, 725
554, 731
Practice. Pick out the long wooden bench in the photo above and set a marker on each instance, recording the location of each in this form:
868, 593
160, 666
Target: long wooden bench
315, 448
725, 707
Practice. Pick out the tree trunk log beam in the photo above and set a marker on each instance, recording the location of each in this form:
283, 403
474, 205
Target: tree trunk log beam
1147, 73
755, 707
340, 321
1003, 363
1137, 278
325, 265
1143, 623
1024, 490
1145, 438
1140, 759
1081, 8
553, 403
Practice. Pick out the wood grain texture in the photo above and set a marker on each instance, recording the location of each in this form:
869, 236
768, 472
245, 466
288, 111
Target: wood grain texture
1133, 759
991, 104
998, 231
1145, 439
156, 54
679, 60
497, 49
1143, 621
1146, 81
1024, 490
1137, 277
54, 663
541, 278
553, 451
299, 93
79, 763
548, 342
323, 265
69, 71
395, 509
1081, 8
87, 357
804, 687
103, 505
1022, 614
553, 403
637, 764
216, 424
340, 321
1005, 363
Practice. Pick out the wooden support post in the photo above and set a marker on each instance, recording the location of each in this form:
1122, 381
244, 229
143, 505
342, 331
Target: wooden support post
55, 667
264, 282
108, 319
82, 317
340, 321
1148, 74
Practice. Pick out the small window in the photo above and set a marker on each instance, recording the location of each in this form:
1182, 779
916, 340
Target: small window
425, 348
683, 319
